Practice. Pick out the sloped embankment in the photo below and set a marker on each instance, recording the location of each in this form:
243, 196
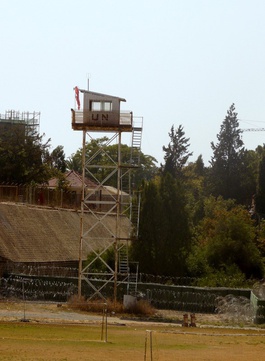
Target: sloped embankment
38, 234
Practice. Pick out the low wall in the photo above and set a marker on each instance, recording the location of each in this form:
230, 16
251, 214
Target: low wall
259, 308
188, 298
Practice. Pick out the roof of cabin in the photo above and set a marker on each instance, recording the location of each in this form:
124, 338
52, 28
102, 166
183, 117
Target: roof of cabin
38, 234
102, 95
75, 181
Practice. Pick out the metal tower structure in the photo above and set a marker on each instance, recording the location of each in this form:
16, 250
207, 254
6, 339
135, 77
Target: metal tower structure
112, 200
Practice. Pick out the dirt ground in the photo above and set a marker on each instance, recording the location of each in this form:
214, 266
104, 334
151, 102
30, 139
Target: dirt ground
54, 332
62, 313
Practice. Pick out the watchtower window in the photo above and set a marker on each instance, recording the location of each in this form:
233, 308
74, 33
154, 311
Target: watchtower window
100, 106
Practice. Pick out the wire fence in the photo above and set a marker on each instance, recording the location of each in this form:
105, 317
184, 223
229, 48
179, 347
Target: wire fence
237, 309
36, 288
59, 285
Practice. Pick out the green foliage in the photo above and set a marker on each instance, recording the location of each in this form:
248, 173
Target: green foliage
260, 238
95, 264
176, 153
22, 156
191, 221
249, 174
164, 234
228, 276
175, 231
225, 172
260, 197
57, 159
75, 162
63, 183
101, 155
225, 238
194, 184
146, 248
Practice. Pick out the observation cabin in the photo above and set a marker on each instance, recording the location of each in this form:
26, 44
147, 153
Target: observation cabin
100, 112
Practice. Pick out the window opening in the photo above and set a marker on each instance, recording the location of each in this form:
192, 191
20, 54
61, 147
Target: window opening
97, 106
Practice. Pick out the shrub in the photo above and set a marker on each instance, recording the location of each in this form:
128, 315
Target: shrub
80, 303
142, 307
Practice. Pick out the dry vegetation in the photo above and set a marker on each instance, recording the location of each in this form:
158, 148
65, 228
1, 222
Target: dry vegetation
141, 308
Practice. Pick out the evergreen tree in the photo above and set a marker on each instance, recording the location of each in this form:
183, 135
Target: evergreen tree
225, 173
249, 175
164, 234
260, 196
195, 173
199, 168
176, 153
175, 235
146, 249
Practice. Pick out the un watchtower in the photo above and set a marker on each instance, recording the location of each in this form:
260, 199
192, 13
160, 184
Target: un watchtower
101, 113
113, 196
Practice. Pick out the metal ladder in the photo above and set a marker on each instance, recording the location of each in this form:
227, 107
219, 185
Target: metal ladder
123, 260
133, 281
136, 146
136, 141
124, 270
135, 213
135, 162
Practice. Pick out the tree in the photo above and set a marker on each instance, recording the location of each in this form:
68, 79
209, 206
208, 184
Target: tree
226, 240
195, 173
199, 168
260, 196
176, 153
74, 162
175, 227
249, 176
57, 158
108, 157
146, 249
225, 175
22, 156
260, 237
164, 233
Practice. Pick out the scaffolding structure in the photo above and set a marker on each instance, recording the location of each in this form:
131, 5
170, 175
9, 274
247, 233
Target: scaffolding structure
114, 195
30, 120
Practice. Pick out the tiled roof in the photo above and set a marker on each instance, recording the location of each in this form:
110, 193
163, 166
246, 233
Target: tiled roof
74, 179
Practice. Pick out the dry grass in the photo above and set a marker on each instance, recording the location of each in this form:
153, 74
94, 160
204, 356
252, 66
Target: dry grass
141, 308
42, 339
46, 342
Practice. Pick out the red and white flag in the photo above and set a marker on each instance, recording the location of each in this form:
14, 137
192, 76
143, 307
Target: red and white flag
77, 97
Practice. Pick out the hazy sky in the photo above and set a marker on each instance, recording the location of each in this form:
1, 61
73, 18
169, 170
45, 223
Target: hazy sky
174, 61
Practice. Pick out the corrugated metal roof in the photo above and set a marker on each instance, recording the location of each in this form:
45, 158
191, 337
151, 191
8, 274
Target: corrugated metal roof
38, 234
102, 95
